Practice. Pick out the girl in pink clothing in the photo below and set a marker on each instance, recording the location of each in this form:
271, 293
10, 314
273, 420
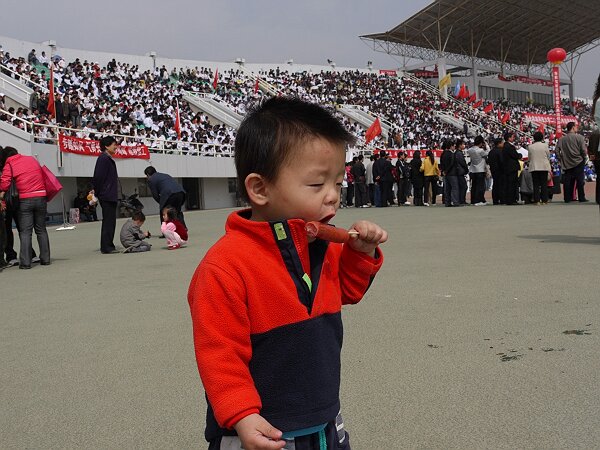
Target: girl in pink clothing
174, 231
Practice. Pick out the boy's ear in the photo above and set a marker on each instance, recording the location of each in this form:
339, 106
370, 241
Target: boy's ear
257, 189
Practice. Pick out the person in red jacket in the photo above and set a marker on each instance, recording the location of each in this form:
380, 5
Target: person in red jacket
32, 204
266, 300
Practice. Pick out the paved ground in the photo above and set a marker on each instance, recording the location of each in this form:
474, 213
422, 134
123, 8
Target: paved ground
460, 343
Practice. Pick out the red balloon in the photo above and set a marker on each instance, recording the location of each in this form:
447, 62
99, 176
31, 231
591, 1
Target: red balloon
556, 55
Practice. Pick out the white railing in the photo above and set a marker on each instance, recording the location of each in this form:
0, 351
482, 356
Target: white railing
262, 84
155, 145
435, 91
384, 121
17, 76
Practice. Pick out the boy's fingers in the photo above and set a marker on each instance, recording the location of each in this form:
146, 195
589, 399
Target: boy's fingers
269, 430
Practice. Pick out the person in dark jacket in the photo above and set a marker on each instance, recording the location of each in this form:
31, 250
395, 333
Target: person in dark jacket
166, 191
417, 178
359, 172
511, 170
382, 174
496, 164
105, 183
403, 171
449, 171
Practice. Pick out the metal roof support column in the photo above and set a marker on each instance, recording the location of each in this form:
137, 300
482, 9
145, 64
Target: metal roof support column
441, 63
474, 77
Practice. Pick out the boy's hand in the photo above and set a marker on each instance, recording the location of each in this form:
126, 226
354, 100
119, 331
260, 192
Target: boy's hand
258, 434
369, 236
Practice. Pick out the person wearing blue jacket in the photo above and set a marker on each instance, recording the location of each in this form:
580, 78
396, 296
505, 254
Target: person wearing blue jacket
105, 182
166, 191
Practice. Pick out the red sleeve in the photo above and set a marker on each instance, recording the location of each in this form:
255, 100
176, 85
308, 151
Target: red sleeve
357, 270
222, 343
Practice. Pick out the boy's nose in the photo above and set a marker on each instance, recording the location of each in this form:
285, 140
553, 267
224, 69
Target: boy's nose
333, 195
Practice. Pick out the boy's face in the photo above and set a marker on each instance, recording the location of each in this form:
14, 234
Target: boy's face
307, 187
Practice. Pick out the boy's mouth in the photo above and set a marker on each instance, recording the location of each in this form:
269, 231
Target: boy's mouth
326, 219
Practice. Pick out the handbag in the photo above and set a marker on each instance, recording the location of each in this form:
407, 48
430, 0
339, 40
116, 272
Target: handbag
51, 183
12, 194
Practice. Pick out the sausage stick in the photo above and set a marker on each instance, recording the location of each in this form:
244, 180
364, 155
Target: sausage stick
328, 232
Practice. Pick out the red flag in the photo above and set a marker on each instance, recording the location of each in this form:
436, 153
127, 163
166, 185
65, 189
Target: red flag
505, 118
373, 131
256, 85
478, 103
541, 128
488, 108
461, 93
177, 122
472, 98
216, 80
51, 107
466, 93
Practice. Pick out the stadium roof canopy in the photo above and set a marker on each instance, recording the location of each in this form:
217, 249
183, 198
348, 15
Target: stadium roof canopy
509, 32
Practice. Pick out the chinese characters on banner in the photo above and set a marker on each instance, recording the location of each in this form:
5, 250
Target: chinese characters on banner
88, 147
393, 153
549, 119
557, 105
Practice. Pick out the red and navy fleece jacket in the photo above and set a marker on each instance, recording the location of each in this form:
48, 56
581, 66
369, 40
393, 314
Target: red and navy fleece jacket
267, 324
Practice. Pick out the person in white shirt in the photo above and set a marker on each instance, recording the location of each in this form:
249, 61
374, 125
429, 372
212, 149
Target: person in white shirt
477, 170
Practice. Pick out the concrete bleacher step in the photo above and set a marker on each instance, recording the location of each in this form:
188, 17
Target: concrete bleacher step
434, 91
16, 92
459, 123
365, 119
215, 109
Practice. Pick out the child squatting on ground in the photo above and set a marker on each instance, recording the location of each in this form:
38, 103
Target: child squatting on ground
266, 300
132, 237
172, 229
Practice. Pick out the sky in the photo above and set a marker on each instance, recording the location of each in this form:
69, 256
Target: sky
262, 31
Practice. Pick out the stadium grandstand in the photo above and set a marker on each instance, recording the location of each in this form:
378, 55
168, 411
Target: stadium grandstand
181, 115
497, 48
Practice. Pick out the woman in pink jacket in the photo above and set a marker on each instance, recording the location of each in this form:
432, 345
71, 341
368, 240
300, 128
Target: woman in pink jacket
32, 203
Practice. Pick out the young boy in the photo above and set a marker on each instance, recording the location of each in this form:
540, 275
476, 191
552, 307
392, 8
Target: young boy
132, 237
266, 302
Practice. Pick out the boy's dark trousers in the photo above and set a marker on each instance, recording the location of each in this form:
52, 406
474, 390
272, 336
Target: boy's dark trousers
310, 442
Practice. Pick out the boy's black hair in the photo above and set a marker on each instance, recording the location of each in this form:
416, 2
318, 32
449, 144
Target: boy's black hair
479, 140
570, 126
538, 136
272, 132
139, 216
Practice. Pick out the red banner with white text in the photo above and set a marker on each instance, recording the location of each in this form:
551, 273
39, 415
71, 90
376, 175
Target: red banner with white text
89, 147
388, 72
549, 119
393, 153
557, 105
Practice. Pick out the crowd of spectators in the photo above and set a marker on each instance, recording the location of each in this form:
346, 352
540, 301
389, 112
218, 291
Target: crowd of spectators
93, 100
